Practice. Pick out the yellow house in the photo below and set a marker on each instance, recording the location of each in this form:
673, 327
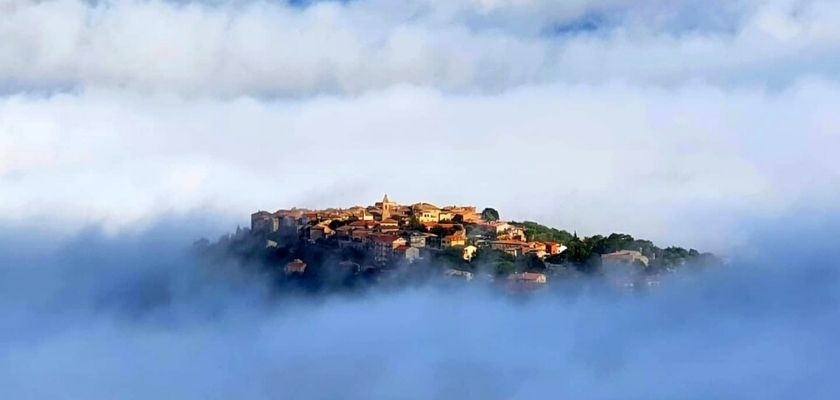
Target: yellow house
453, 241
512, 247
425, 212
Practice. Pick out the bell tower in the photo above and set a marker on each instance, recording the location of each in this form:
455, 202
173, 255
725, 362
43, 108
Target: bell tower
386, 207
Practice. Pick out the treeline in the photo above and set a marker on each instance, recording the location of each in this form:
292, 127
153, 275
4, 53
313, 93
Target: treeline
333, 268
329, 268
585, 253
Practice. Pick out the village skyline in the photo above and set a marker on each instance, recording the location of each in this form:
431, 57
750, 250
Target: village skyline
387, 235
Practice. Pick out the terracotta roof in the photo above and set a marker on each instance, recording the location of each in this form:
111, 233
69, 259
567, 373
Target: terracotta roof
424, 206
384, 238
517, 242
362, 223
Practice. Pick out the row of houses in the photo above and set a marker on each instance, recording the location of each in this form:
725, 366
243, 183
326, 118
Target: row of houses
382, 211
391, 230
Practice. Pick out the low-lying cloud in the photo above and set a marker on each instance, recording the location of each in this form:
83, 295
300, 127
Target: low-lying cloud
133, 316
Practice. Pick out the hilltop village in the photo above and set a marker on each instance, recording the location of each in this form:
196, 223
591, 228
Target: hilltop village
412, 243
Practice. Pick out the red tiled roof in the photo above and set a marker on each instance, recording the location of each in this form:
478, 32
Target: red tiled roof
362, 223
384, 238
532, 276
426, 206
517, 242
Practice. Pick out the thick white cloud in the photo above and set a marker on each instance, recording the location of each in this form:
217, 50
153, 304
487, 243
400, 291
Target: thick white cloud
683, 164
262, 48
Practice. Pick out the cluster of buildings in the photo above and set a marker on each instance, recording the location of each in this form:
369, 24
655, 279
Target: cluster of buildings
394, 232
391, 232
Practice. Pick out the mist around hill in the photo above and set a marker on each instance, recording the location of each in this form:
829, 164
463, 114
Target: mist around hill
136, 315
330, 267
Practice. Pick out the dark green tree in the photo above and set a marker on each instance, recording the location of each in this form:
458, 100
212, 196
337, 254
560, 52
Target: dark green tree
490, 214
451, 258
503, 268
414, 224
542, 233
530, 263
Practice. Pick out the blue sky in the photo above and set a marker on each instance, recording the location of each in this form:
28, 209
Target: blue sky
654, 119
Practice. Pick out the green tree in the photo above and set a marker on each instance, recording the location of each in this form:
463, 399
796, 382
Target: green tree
530, 263
542, 233
504, 268
451, 257
414, 224
490, 214
442, 231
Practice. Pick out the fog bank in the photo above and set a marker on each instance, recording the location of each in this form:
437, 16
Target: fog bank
134, 316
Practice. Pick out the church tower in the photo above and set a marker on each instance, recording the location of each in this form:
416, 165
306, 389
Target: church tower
386, 208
